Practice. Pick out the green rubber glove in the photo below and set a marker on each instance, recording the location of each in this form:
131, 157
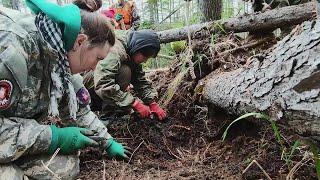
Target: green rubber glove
70, 139
118, 17
115, 149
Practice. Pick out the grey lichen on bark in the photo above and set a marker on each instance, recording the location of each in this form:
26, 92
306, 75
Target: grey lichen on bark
284, 83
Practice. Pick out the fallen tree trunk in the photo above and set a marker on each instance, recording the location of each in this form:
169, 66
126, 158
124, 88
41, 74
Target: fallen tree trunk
269, 20
285, 83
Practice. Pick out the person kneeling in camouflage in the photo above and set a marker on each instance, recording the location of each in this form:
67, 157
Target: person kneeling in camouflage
39, 60
108, 83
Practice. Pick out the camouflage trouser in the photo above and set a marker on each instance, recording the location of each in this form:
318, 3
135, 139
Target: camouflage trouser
108, 108
64, 167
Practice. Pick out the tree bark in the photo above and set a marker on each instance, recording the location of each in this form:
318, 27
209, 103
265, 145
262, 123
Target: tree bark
151, 11
269, 20
284, 83
15, 4
211, 10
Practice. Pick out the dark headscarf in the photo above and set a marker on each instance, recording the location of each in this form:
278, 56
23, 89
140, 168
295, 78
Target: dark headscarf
143, 39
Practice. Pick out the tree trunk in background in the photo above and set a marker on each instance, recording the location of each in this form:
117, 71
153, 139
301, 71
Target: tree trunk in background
269, 20
12, 4
170, 9
151, 11
161, 7
210, 9
15, 4
156, 11
284, 83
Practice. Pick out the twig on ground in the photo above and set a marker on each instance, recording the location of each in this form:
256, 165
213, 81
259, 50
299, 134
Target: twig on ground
170, 152
256, 162
246, 46
125, 138
104, 170
205, 151
150, 148
46, 166
179, 126
305, 159
54, 174
129, 131
135, 151
53, 156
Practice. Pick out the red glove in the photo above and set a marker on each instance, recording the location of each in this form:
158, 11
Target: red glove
142, 109
155, 108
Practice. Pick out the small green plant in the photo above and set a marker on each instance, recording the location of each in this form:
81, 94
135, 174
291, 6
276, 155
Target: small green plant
220, 26
315, 151
256, 115
286, 155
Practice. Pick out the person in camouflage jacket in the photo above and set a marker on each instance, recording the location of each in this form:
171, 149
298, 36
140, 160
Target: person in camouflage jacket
108, 83
36, 81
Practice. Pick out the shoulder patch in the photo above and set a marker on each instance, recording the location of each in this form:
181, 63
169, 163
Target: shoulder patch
83, 97
5, 93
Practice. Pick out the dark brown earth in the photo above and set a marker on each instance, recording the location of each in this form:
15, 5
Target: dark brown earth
189, 145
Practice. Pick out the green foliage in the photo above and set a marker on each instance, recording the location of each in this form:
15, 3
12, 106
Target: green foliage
146, 25
178, 46
160, 62
315, 151
227, 10
219, 26
6, 3
286, 155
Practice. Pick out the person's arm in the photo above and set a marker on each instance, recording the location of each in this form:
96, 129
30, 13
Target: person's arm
18, 136
143, 86
105, 81
85, 117
88, 120
147, 93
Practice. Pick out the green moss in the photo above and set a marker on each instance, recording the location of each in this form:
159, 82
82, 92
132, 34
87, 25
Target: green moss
178, 46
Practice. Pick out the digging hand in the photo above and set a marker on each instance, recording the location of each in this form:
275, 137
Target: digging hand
70, 139
156, 109
115, 149
143, 110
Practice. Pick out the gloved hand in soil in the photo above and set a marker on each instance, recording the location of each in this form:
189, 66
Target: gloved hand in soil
155, 108
143, 110
115, 149
70, 139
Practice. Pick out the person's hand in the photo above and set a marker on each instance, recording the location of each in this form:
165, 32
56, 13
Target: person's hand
155, 108
118, 17
70, 139
115, 149
143, 110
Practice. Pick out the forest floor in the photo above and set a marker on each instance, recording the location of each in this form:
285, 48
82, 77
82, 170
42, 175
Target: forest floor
188, 145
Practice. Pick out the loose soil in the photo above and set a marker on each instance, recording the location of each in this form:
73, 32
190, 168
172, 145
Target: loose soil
188, 145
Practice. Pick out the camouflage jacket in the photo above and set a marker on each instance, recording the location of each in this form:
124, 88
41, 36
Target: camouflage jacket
25, 66
104, 77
